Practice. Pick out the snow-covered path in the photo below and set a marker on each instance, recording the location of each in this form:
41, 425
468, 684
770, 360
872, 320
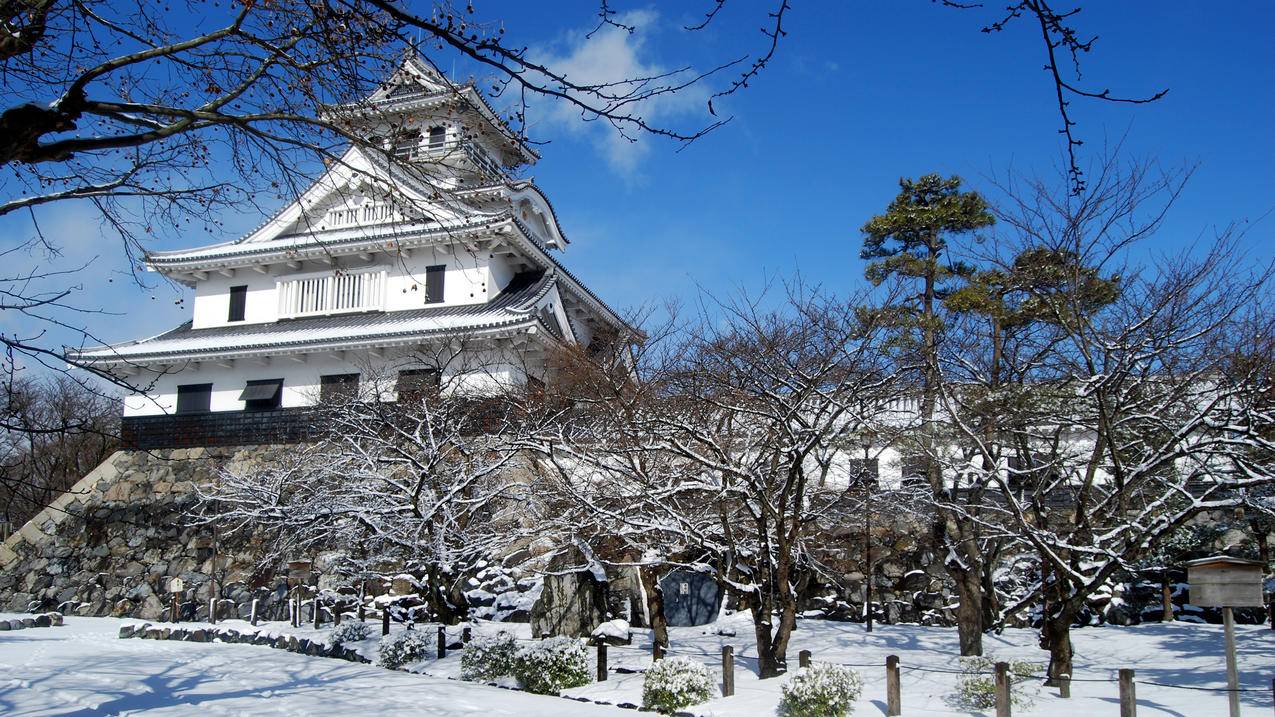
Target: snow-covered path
83, 669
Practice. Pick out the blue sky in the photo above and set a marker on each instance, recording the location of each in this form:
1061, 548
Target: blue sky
860, 94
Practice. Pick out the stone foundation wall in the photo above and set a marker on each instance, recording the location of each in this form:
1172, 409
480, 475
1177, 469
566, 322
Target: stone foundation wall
113, 542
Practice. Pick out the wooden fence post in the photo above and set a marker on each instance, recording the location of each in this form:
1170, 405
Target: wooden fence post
316, 611
728, 670
657, 652
1128, 696
442, 642
173, 617
803, 658
212, 610
252, 614
385, 621
1002, 689
1064, 686
602, 662
466, 635
893, 695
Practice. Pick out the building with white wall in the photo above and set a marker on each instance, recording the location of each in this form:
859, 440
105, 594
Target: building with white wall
425, 249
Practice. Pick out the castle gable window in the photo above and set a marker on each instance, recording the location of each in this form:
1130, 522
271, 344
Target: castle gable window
262, 395
437, 137
194, 398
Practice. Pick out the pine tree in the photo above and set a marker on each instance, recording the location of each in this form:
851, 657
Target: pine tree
909, 244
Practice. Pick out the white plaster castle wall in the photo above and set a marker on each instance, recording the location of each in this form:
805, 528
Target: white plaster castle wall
482, 371
469, 280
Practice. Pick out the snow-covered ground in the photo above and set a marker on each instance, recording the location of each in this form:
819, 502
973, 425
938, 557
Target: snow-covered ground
83, 668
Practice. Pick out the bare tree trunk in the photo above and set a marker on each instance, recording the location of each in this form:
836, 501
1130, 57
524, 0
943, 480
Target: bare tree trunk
654, 604
969, 614
1056, 634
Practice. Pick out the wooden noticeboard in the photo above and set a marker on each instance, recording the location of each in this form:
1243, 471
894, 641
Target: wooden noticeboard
1223, 581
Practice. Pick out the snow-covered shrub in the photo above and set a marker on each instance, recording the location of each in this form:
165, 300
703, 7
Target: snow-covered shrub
822, 690
400, 648
676, 682
552, 665
488, 657
352, 631
976, 687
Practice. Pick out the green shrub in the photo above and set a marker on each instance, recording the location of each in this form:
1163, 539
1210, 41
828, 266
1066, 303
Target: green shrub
552, 665
400, 648
488, 657
976, 687
822, 690
352, 631
676, 682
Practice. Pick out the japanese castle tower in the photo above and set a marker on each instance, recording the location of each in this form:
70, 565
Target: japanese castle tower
379, 263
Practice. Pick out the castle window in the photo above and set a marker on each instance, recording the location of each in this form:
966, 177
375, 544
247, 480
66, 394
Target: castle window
415, 383
194, 398
238, 302
437, 137
262, 395
406, 144
434, 276
338, 387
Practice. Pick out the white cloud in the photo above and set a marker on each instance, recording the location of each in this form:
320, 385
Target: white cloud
614, 55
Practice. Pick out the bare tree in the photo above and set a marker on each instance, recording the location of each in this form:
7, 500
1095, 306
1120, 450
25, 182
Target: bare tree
729, 454
53, 432
1129, 414
419, 472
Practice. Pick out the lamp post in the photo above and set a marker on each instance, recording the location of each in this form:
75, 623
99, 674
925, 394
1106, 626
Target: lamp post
867, 533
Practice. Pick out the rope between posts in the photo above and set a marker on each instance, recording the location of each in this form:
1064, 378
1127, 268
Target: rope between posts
1203, 689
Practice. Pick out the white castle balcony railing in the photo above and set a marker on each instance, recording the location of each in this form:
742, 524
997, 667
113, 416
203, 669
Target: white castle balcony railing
475, 156
336, 294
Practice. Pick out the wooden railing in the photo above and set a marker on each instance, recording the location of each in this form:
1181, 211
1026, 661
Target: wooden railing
333, 294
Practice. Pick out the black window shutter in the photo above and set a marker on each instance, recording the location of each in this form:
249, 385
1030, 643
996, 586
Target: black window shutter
434, 283
194, 398
238, 301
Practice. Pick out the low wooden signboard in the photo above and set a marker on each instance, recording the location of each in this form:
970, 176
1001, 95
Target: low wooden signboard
1223, 581
176, 585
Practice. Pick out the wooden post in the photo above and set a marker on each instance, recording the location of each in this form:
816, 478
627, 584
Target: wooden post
362, 613
728, 670
1064, 686
1166, 598
602, 661
466, 634
1002, 689
212, 610
803, 658
1128, 696
893, 695
385, 621
173, 616
316, 611
1232, 671
442, 642
336, 617
657, 651
252, 615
